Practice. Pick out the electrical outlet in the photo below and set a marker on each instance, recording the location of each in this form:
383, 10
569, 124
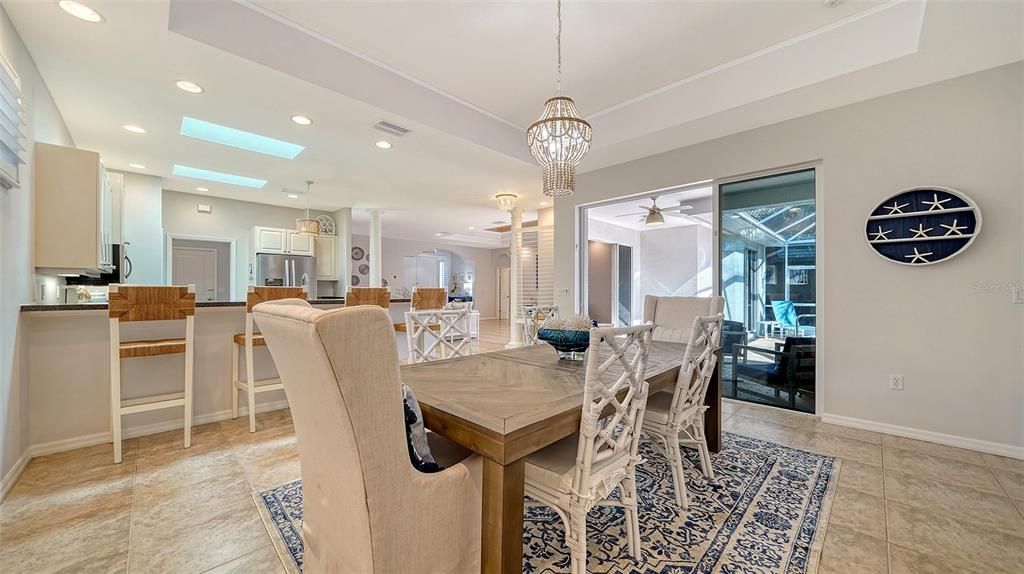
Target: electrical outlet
1018, 294
896, 382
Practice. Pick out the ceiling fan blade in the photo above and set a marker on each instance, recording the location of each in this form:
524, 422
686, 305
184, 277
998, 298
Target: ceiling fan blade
679, 215
631, 215
678, 208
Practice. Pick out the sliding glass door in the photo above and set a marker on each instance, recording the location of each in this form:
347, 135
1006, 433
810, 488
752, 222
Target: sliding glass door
767, 274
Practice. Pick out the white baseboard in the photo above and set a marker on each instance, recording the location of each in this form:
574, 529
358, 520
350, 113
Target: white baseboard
989, 447
53, 447
14, 474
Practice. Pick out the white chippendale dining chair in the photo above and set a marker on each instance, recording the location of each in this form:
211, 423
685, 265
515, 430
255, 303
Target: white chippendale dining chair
677, 418
366, 509
533, 318
437, 334
673, 316
581, 471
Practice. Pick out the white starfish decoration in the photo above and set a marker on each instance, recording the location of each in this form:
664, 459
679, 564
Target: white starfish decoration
953, 229
881, 235
895, 208
920, 231
918, 257
935, 203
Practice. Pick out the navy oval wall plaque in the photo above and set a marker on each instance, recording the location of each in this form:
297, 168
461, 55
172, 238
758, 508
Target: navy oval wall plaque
923, 225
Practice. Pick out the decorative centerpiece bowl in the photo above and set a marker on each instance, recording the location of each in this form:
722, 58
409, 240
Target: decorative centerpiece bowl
570, 337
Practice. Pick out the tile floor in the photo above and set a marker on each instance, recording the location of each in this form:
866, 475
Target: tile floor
902, 506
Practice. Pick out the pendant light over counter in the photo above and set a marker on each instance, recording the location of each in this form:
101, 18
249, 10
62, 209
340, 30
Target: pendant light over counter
561, 137
307, 226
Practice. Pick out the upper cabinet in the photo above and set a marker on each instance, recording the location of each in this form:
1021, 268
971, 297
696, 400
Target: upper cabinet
284, 241
299, 244
73, 203
270, 240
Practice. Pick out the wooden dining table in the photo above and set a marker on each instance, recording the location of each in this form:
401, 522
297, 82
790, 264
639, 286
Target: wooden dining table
508, 404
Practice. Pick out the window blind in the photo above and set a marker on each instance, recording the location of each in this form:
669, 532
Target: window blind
12, 125
536, 265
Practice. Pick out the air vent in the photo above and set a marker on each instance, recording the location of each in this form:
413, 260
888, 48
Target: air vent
391, 128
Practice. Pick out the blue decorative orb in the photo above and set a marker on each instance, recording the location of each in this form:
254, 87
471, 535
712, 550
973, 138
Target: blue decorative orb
569, 344
923, 225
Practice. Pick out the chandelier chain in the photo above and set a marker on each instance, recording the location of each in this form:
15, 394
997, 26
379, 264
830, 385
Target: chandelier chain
558, 41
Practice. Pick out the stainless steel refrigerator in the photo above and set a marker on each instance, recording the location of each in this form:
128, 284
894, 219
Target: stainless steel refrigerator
286, 271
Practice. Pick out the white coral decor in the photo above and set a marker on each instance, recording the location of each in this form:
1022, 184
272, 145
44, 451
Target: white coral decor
574, 323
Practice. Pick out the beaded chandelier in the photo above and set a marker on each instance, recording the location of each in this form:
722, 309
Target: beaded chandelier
561, 137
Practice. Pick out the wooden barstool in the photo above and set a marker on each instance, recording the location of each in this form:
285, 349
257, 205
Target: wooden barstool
379, 296
150, 303
425, 299
248, 341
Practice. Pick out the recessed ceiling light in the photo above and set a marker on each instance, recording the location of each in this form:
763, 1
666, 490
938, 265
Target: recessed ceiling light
301, 120
383, 144
471, 228
190, 87
439, 234
217, 176
202, 189
224, 135
293, 196
134, 129
137, 165
543, 203
80, 11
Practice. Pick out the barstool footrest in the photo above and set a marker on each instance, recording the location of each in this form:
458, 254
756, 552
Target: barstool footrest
152, 403
262, 385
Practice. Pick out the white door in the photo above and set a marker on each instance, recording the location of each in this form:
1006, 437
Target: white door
299, 244
198, 266
270, 240
504, 291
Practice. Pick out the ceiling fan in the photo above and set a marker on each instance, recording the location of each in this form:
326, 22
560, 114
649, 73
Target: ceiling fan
655, 215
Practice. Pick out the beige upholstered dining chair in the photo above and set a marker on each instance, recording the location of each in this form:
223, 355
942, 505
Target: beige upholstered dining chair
366, 509
581, 471
673, 316
533, 318
677, 418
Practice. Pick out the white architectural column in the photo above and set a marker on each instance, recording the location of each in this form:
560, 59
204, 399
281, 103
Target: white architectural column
375, 248
515, 335
343, 257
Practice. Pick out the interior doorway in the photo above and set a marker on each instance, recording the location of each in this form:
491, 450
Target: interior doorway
205, 263
504, 291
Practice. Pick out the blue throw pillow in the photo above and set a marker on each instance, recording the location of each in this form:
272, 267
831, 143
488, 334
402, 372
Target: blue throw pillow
416, 434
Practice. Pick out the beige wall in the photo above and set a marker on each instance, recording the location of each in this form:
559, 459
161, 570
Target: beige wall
44, 124
958, 343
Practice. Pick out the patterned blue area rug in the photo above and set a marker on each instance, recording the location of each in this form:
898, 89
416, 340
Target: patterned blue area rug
767, 513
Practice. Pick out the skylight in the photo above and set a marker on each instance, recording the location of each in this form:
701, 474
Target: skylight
218, 176
224, 135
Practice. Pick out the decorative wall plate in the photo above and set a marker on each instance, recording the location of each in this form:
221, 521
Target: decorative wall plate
357, 253
923, 225
364, 269
355, 280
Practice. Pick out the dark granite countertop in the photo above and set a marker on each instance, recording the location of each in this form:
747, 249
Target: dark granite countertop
200, 305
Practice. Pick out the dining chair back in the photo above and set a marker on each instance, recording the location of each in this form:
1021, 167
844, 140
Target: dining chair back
673, 316
437, 334
379, 296
428, 298
699, 362
533, 318
131, 303
246, 342
366, 509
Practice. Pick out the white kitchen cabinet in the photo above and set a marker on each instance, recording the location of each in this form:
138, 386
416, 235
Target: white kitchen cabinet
73, 202
270, 240
326, 266
299, 244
